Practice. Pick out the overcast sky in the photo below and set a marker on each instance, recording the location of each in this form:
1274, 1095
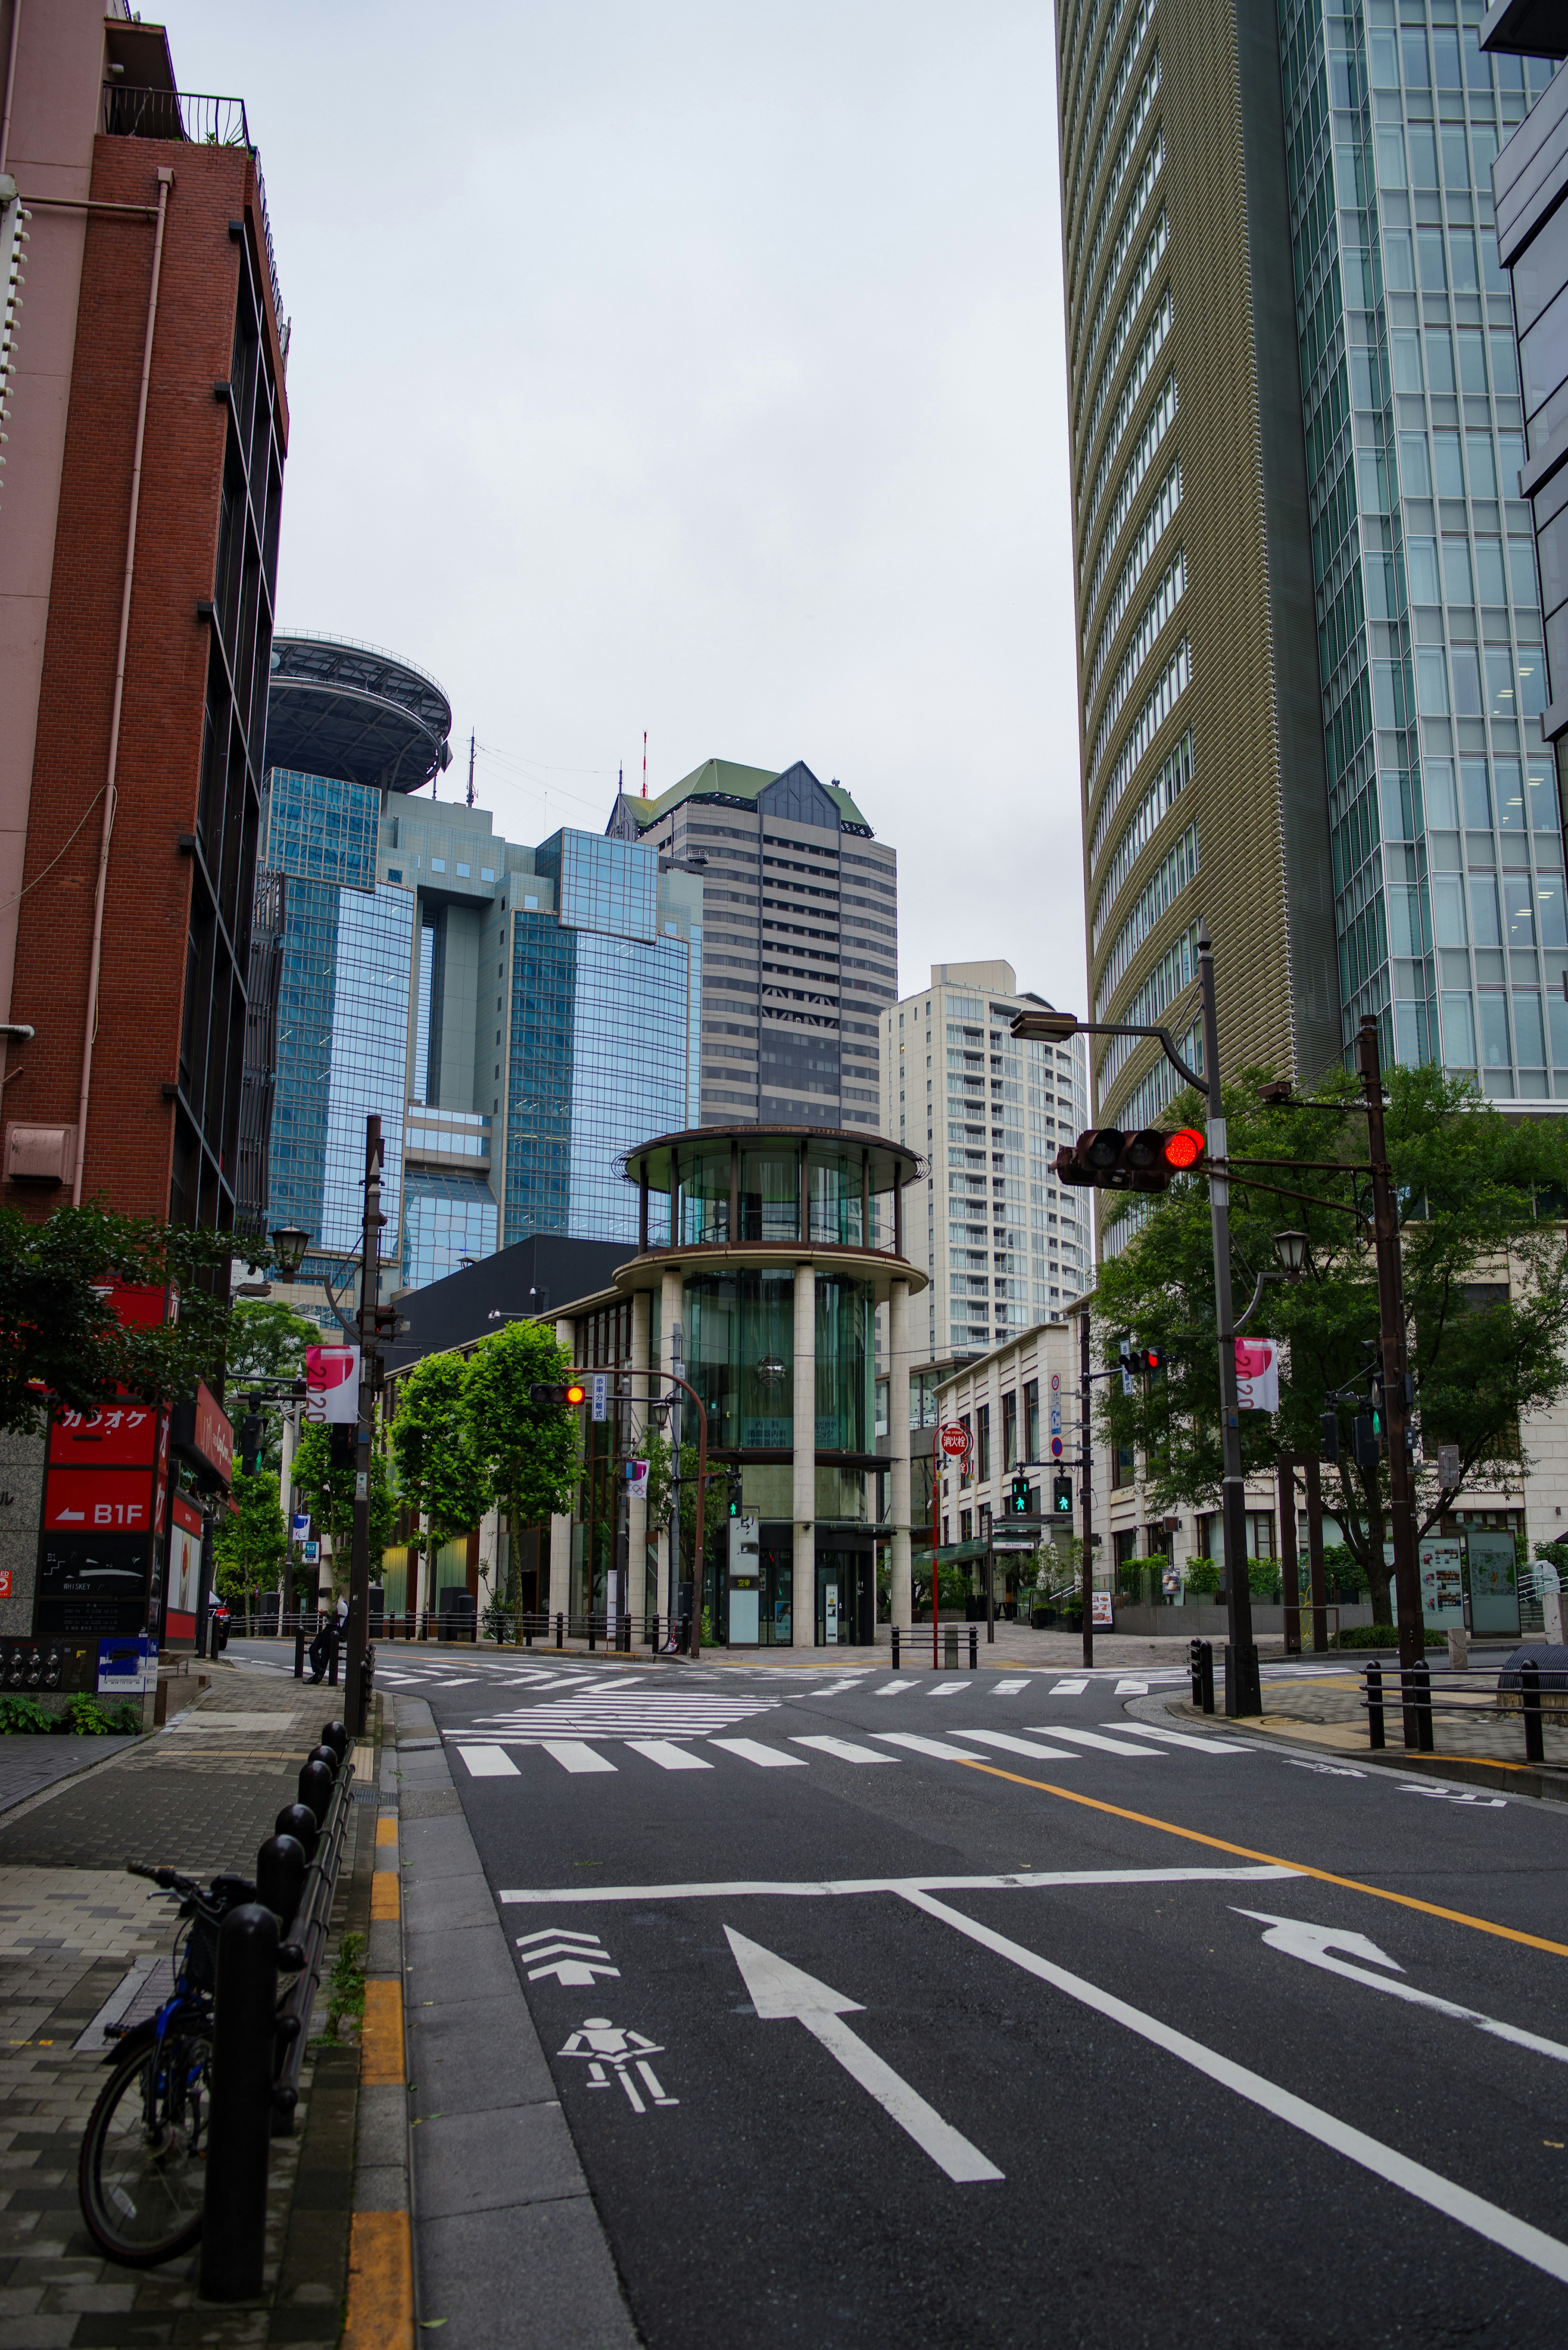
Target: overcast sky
695, 367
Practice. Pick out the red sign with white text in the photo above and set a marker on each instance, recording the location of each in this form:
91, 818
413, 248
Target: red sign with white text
122, 1434
98, 1501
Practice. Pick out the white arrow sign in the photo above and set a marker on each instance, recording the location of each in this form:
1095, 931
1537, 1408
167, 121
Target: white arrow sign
777, 1989
1316, 1945
570, 1957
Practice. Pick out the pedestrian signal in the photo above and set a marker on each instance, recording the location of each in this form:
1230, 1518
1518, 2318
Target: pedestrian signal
736, 1495
561, 1394
1329, 1445
1062, 1497
251, 1442
1107, 1159
1018, 1497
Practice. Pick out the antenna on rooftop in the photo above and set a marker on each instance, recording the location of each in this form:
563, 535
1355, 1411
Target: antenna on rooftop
645, 763
471, 770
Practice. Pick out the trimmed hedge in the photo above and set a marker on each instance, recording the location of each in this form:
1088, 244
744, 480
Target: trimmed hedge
1382, 1635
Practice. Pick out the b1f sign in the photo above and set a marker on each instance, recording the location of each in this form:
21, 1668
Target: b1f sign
1258, 1374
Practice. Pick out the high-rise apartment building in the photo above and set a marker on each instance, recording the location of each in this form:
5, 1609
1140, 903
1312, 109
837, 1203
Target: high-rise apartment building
801, 955
1309, 630
516, 1016
1003, 1243
142, 380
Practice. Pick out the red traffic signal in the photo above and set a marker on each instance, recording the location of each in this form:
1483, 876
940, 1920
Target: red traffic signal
563, 1395
1109, 1161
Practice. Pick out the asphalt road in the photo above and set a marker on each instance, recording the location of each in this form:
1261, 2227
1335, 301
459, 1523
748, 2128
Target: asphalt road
831, 2085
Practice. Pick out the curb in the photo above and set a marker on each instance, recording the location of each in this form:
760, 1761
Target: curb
379, 2302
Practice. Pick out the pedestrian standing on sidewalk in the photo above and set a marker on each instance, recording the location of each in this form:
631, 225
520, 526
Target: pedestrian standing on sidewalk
327, 1642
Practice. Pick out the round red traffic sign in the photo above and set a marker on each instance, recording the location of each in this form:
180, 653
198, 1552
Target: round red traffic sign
955, 1440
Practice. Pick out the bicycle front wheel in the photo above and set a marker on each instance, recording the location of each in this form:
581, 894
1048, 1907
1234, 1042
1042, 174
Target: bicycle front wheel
144, 2163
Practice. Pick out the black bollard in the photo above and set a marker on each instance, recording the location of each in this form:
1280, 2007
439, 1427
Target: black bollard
298, 1820
332, 1646
315, 1789
1202, 1654
335, 1735
300, 1651
1421, 1690
239, 2128
1530, 1700
560, 1631
367, 1690
895, 1647
330, 1756
1374, 1736
974, 1647
281, 1866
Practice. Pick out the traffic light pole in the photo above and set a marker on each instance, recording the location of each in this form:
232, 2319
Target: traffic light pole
359, 1631
1391, 1333
687, 1388
1243, 1687
1087, 1457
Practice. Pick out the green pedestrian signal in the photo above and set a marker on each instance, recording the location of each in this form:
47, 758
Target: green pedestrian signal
1018, 1497
1062, 1497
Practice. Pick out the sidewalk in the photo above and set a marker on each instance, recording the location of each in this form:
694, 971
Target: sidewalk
76, 1933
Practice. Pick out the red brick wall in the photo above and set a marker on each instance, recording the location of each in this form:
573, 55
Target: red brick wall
129, 1124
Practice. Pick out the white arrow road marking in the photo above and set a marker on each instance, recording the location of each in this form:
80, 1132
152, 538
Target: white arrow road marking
1314, 1944
766, 1758
817, 1888
1010, 1745
571, 1957
488, 1763
779, 1990
1429, 2186
1093, 1738
845, 1751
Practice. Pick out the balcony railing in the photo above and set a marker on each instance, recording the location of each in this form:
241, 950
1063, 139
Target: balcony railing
204, 120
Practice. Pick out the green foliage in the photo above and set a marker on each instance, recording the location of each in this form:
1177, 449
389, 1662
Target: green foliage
88, 1718
1557, 1552
432, 1441
1382, 1635
267, 1340
1343, 1572
250, 1544
346, 1988
21, 1716
1201, 1574
59, 1336
1477, 1191
525, 1454
328, 1491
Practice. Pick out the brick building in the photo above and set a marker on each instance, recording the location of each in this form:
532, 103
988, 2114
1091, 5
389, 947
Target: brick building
138, 531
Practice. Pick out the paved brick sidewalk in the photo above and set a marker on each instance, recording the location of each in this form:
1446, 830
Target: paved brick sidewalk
201, 1795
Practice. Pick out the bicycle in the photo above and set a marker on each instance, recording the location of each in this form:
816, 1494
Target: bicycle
143, 2170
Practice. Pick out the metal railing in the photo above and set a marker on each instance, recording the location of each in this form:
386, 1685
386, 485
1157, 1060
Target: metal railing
202, 119
1525, 1691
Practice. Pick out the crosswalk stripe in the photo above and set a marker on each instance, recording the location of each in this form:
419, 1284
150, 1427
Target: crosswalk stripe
488, 1763
1008, 1688
1068, 1688
668, 1757
573, 1755
1011, 1745
1184, 1738
946, 1688
1130, 1689
766, 1758
1104, 1745
890, 1689
916, 1745
844, 1750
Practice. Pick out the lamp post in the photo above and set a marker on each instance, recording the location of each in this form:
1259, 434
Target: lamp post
289, 1242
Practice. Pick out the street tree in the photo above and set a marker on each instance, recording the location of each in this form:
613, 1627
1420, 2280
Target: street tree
434, 1449
267, 1340
526, 1454
1481, 1199
61, 1340
250, 1541
326, 1486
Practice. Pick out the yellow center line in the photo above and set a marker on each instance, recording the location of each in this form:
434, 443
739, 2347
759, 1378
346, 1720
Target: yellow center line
1302, 1868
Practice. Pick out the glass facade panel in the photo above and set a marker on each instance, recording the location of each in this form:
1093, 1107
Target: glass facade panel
770, 1194
844, 1311
740, 1357
446, 1217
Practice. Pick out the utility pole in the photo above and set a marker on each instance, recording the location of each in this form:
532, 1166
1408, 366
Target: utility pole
1315, 1553
1243, 1687
1391, 1333
471, 770
1087, 1572
370, 1356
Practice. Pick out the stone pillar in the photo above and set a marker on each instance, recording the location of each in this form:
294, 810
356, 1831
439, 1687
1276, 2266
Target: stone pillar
898, 1440
803, 1630
560, 1601
670, 1310
636, 1511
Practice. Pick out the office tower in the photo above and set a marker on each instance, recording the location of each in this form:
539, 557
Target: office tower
1309, 635
516, 1016
801, 948
141, 379
1003, 1244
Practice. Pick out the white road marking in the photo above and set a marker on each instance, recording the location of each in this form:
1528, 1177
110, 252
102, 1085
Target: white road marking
831, 1689
1011, 1745
1444, 2196
1317, 1944
668, 1757
1093, 1738
766, 1758
778, 1990
1130, 1689
888, 1688
1008, 1688
571, 1957
946, 1688
1068, 1688
573, 1755
1020, 1881
844, 1750
937, 1746
488, 1763
1186, 1738
1452, 1795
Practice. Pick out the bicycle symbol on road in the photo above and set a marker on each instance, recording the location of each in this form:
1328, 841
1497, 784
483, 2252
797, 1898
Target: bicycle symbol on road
604, 2044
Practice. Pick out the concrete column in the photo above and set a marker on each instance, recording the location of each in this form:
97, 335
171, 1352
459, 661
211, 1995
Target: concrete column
559, 1601
898, 1442
804, 1630
670, 1313
636, 1511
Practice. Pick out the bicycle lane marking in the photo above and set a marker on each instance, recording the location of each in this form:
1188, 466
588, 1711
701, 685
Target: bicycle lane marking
1443, 2195
1297, 1868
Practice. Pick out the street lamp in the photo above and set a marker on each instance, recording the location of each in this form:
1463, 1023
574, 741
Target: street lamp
1291, 1249
289, 1242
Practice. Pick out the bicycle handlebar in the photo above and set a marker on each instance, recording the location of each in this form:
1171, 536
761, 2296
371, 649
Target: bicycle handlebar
170, 1879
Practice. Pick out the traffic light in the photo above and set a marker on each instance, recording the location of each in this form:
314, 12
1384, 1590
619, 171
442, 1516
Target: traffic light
1368, 1438
251, 1442
1018, 1497
1329, 1442
736, 1497
1060, 1497
564, 1394
1141, 1362
1105, 1158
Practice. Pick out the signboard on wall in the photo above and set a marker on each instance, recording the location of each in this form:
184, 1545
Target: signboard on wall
184, 1569
1100, 1610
